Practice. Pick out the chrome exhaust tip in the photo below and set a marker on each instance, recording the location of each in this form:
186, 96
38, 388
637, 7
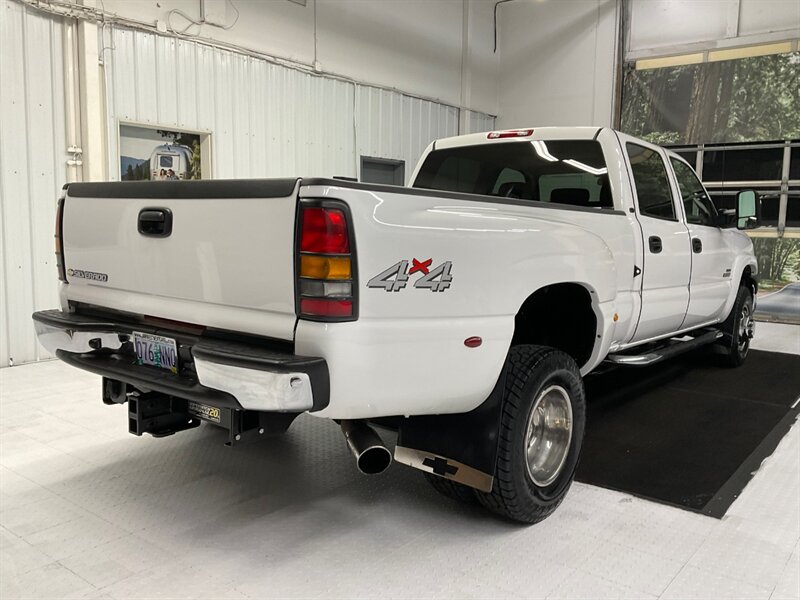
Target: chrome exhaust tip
372, 457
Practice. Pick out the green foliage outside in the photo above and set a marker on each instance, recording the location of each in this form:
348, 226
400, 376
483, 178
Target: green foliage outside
750, 99
778, 261
194, 162
137, 173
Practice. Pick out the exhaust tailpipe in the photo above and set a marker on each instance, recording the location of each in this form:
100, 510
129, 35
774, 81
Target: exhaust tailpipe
372, 457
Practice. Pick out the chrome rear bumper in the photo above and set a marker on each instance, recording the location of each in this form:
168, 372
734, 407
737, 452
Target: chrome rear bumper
215, 371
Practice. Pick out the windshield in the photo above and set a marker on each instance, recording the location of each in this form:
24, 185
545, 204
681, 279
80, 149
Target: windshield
571, 172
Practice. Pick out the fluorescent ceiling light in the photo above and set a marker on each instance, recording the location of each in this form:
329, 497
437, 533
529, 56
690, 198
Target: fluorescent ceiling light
718, 55
669, 61
584, 167
541, 150
748, 51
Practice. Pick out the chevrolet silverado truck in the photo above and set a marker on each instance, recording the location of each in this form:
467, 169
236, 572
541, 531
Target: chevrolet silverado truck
462, 311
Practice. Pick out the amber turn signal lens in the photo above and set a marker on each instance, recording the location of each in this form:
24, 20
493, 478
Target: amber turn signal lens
325, 267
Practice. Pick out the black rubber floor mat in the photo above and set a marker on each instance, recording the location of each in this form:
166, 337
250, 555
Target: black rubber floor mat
688, 432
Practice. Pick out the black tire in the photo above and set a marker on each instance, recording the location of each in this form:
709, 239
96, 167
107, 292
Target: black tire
531, 370
451, 489
738, 328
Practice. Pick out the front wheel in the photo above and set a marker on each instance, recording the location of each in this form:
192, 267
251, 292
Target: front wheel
541, 434
738, 328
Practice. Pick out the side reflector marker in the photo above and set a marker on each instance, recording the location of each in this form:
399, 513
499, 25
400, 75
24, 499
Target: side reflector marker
473, 342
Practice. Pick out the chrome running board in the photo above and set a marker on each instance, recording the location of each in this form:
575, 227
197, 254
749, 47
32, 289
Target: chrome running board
670, 349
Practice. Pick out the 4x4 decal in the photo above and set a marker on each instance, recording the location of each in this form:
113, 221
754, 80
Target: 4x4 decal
395, 278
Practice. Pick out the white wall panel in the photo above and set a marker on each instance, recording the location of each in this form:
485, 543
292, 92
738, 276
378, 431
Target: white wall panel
669, 25
479, 122
767, 16
413, 45
557, 62
32, 171
390, 125
669, 22
266, 120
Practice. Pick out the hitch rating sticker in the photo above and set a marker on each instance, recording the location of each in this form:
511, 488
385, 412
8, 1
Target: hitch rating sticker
396, 277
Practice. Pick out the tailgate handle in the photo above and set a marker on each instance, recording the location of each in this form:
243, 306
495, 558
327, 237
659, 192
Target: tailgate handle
155, 222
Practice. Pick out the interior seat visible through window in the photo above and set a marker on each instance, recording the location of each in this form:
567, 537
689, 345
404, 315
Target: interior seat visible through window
512, 189
570, 196
567, 172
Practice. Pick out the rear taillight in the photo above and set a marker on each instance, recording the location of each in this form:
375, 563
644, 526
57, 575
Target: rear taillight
325, 264
62, 271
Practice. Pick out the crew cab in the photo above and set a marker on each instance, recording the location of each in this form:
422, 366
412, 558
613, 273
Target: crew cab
462, 311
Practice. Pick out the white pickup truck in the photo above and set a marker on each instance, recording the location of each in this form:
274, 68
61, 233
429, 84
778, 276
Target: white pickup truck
461, 311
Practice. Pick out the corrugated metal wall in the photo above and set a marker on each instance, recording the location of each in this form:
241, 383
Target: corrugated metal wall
32, 171
266, 120
390, 125
478, 122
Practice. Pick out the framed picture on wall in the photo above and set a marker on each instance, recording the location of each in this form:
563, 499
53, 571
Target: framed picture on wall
163, 154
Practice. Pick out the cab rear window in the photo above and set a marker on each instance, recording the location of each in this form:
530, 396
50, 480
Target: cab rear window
570, 172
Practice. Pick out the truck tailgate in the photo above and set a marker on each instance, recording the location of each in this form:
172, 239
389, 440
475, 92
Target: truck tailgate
228, 261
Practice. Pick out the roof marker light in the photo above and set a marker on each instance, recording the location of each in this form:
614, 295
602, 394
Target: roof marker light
509, 133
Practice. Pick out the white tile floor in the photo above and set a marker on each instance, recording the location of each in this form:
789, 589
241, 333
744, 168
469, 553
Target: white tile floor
87, 510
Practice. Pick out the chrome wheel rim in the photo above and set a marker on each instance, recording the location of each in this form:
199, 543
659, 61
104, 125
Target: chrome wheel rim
549, 434
746, 327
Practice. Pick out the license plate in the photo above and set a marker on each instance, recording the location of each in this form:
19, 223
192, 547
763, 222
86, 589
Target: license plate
156, 350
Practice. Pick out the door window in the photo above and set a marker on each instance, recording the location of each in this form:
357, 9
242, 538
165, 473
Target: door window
652, 185
698, 206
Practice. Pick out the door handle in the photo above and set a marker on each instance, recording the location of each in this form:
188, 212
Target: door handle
155, 222
655, 244
697, 245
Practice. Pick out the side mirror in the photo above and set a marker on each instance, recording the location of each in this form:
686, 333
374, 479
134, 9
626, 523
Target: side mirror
748, 209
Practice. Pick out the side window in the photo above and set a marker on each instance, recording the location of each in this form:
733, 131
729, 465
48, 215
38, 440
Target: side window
652, 184
698, 206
